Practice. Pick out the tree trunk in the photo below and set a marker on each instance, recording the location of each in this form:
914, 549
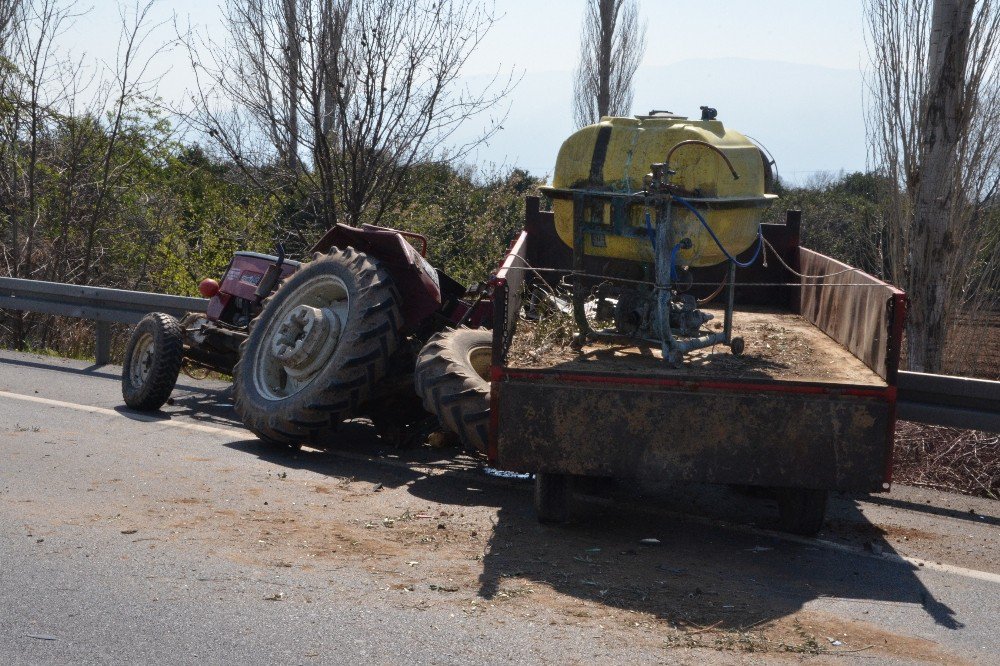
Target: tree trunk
608, 11
937, 197
292, 63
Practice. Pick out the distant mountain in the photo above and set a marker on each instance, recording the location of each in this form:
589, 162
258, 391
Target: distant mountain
809, 117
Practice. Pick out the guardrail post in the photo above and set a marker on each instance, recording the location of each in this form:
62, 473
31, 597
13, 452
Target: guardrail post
102, 346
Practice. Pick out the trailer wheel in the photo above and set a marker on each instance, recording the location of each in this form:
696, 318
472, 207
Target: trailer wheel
801, 510
319, 345
153, 359
452, 378
553, 493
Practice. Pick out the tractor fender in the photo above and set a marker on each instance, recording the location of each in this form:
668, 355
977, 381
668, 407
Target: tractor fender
414, 277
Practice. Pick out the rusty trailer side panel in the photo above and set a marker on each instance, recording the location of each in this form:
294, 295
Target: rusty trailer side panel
861, 317
767, 435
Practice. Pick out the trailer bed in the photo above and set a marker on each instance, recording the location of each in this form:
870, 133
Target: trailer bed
780, 345
809, 407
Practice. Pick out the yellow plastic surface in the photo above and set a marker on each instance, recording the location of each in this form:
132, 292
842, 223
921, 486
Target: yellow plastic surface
634, 144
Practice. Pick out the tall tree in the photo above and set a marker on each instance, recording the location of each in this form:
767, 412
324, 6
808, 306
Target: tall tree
612, 44
362, 90
934, 108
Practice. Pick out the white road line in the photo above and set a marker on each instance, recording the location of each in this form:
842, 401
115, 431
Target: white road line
829, 545
918, 562
132, 416
896, 558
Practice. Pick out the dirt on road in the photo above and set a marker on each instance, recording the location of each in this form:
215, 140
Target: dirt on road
434, 531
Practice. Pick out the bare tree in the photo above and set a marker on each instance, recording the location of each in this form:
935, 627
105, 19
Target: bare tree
362, 90
934, 107
8, 10
612, 44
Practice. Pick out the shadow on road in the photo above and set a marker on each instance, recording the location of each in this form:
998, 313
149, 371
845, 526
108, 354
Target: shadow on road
934, 510
102, 371
54, 363
208, 406
701, 572
698, 572
361, 455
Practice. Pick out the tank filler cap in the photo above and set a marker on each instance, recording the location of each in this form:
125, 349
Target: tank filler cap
661, 114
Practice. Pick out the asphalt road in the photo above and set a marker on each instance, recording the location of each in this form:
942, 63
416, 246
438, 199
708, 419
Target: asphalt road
180, 538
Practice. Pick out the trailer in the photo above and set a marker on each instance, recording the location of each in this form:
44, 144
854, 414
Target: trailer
819, 420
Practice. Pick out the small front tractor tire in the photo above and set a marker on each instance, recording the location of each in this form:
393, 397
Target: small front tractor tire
452, 378
153, 360
321, 343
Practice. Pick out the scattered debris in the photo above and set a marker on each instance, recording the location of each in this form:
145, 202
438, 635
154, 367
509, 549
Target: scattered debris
129, 531
377, 487
759, 549
649, 542
42, 637
277, 596
443, 588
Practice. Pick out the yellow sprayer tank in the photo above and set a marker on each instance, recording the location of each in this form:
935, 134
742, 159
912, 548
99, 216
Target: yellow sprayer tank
616, 154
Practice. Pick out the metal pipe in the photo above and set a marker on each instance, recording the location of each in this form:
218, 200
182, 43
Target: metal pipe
664, 252
579, 296
691, 344
699, 142
728, 326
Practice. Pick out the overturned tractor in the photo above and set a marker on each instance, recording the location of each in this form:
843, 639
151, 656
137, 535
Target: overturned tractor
313, 344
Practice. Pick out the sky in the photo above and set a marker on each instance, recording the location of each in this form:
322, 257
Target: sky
540, 40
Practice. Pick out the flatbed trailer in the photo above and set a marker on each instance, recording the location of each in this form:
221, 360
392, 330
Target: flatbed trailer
813, 412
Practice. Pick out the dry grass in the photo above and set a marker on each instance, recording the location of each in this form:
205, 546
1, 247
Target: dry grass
963, 461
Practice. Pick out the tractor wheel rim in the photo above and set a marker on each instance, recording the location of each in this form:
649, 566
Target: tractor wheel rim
141, 363
480, 359
301, 337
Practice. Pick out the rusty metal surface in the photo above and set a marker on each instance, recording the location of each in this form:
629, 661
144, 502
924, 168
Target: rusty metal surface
508, 289
765, 438
858, 317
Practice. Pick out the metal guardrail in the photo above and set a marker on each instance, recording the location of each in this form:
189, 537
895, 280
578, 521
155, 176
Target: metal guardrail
959, 402
100, 304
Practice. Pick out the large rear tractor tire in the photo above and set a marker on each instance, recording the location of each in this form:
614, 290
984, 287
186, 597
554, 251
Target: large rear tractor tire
153, 359
321, 343
452, 378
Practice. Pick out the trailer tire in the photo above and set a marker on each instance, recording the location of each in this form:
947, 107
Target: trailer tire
553, 493
321, 342
801, 510
153, 360
452, 379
